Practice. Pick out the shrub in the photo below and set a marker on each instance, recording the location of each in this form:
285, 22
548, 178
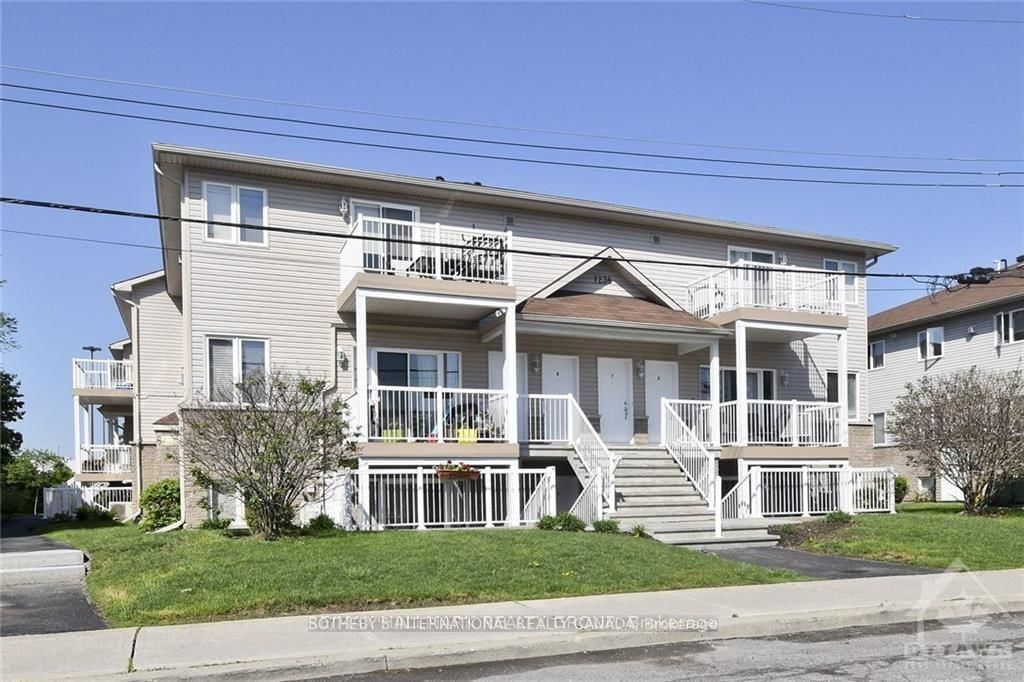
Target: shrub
639, 531
62, 517
216, 523
88, 513
788, 529
320, 524
838, 517
564, 521
606, 526
922, 496
901, 488
161, 504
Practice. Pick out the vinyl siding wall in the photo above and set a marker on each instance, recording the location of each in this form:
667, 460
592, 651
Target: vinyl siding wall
285, 291
160, 359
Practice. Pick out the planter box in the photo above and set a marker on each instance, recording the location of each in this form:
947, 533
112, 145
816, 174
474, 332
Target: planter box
394, 435
471, 475
467, 435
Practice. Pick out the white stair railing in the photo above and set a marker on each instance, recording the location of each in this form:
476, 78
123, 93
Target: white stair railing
697, 414
588, 506
689, 453
598, 460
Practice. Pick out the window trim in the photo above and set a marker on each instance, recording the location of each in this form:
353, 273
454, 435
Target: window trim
236, 213
995, 327
839, 269
236, 361
871, 356
929, 355
722, 368
855, 417
885, 431
441, 372
730, 248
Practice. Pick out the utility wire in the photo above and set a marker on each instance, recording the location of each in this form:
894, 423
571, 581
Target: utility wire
504, 143
959, 20
34, 203
495, 126
515, 159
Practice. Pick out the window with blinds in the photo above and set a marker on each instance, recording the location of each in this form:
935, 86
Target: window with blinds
231, 361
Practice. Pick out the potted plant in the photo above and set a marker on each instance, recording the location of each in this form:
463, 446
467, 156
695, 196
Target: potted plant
394, 433
461, 471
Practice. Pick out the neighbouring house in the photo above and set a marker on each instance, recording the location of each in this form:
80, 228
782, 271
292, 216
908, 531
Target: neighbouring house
585, 356
980, 325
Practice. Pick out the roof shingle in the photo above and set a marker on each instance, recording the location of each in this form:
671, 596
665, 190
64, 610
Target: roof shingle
1006, 288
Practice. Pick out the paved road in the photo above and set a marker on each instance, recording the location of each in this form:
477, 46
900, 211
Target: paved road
823, 566
41, 609
963, 650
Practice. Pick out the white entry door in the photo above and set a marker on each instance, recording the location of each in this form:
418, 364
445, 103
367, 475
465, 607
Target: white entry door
661, 380
615, 399
496, 381
560, 375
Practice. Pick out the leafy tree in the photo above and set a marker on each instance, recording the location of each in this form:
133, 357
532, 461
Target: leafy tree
12, 408
8, 328
967, 427
271, 446
31, 471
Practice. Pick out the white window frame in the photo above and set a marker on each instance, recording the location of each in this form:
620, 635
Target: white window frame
839, 263
236, 358
417, 249
929, 342
855, 377
236, 212
760, 382
885, 430
418, 351
871, 355
731, 249
1008, 315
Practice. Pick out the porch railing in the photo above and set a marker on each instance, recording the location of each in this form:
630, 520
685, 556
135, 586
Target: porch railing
544, 418
594, 454
401, 414
101, 374
106, 459
688, 451
760, 285
783, 422
697, 415
431, 250
377, 499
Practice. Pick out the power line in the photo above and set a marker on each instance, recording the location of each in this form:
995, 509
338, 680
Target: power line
504, 143
959, 20
122, 213
515, 159
496, 126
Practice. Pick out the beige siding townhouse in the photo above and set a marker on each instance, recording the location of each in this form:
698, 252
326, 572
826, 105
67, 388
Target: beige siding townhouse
614, 361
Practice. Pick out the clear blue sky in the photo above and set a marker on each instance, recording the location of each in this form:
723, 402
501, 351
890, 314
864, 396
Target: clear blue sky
723, 72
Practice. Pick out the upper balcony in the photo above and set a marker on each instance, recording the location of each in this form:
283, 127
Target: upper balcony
759, 287
424, 251
102, 380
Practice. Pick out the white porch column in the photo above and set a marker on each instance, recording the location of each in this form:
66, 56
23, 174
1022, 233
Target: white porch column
715, 388
741, 383
844, 380
362, 369
78, 433
509, 375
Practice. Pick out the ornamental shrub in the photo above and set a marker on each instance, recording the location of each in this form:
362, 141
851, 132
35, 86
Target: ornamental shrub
161, 504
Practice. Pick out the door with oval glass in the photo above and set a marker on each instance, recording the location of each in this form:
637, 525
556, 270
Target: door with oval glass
615, 399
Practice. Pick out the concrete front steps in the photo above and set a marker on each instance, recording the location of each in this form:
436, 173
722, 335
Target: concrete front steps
651, 490
37, 568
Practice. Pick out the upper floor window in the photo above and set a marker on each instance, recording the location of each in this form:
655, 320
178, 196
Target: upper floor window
235, 204
1009, 327
930, 343
876, 354
232, 360
392, 222
850, 280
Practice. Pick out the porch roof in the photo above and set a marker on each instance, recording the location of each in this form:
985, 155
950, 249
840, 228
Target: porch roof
606, 308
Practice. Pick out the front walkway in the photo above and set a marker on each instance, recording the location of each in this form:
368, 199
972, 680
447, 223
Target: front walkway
822, 566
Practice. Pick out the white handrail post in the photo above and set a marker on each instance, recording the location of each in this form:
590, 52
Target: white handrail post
718, 506
805, 492
513, 495
892, 490
439, 414
599, 484
488, 500
844, 378
755, 492
714, 385
664, 420
437, 251
421, 515
846, 489
794, 423
364, 496
552, 487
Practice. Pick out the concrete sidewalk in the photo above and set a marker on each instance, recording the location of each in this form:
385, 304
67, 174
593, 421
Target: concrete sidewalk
301, 646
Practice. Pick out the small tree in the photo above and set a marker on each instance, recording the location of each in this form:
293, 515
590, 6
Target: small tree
31, 471
967, 427
275, 443
12, 408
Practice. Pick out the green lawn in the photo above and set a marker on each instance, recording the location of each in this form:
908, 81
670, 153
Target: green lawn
932, 534
193, 576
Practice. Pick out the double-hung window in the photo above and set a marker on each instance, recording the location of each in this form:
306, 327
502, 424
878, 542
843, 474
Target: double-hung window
849, 280
876, 354
232, 360
237, 205
832, 392
1009, 327
930, 343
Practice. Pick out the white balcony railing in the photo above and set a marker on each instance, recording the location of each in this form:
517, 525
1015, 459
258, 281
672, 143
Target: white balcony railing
781, 287
436, 251
400, 414
697, 415
783, 422
101, 374
106, 459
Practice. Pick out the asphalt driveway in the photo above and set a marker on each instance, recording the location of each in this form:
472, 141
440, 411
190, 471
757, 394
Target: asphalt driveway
821, 566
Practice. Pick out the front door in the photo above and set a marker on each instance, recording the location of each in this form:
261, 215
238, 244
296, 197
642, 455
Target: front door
615, 399
560, 375
661, 380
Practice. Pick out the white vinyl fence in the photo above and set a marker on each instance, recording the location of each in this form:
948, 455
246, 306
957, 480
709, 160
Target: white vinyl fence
68, 499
